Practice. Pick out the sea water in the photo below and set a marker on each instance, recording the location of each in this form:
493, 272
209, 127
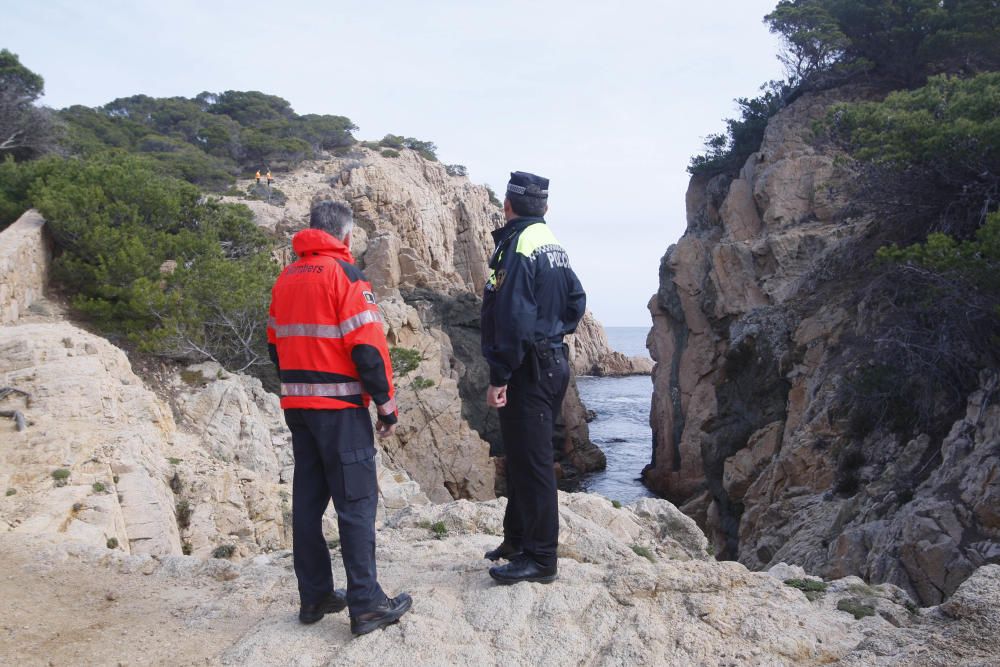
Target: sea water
621, 427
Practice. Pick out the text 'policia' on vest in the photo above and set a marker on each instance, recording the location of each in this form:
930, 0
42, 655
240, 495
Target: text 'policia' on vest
325, 331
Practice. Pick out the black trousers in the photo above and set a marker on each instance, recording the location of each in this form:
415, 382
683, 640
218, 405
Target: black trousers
334, 458
534, 396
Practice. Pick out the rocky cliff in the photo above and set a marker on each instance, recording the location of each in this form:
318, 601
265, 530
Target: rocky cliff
754, 344
423, 238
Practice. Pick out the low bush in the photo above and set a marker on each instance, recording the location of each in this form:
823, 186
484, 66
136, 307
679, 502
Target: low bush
404, 360
184, 512
61, 476
420, 382
645, 552
856, 608
224, 551
148, 259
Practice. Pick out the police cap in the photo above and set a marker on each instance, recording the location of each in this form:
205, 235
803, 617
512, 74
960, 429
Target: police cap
528, 185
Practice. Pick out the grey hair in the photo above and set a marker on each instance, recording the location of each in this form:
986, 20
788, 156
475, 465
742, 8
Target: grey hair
333, 217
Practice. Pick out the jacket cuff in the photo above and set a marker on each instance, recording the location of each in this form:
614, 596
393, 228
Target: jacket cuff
499, 376
387, 411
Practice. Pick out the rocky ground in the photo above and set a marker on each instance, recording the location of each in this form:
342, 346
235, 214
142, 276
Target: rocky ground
73, 604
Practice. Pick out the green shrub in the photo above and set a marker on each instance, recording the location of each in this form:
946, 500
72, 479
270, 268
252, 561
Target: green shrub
186, 548
389, 153
11, 492
98, 487
645, 552
112, 543
856, 608
224, 551
439, 529
193, 379
420, 382
16, 179
942, 136
172, 460
183, 512
808, 585
425, 148
61, 476
117, 222
616, 504
971, 266
404, 360
728, 151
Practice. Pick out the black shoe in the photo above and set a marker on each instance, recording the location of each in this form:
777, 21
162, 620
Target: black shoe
505, 550
334, 602
384, 614
524, 569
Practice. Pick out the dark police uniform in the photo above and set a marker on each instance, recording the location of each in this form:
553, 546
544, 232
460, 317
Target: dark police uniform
325, 336
532, 299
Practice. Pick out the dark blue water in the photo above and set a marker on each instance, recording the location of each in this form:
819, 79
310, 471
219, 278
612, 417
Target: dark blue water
621, 428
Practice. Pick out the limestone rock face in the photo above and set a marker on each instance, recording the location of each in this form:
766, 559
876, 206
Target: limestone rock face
635, 588
423, 240
93, 423
752, 344
136, 475
24, 266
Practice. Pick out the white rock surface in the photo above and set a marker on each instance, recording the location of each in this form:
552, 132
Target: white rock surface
610, 606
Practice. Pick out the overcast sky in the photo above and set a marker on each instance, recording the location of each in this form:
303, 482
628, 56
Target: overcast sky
608, 100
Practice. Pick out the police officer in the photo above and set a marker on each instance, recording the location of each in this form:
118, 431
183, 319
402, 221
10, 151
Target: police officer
532, 299
325, 336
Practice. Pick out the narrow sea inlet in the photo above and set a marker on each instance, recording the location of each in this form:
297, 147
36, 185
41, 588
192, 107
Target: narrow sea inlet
621, 427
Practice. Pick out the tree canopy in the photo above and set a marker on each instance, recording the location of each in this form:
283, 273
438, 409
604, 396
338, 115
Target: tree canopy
901, 42
148, 258
208, 139
26, 130
896, 44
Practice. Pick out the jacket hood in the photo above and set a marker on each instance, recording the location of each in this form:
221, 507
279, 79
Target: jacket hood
317, 242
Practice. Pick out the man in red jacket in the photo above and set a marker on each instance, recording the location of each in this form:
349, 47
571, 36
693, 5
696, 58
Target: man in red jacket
325, 337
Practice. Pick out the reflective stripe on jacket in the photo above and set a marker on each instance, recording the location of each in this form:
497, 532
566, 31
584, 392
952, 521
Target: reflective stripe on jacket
532, 295
325, 331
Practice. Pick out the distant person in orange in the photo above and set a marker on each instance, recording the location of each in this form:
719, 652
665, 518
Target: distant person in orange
258, 177
269, 178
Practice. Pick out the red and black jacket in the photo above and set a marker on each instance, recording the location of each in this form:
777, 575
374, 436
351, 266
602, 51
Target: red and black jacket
325, 332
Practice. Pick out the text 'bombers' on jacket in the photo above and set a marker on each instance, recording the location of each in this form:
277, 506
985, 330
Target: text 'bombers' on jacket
532, 295
325, 332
